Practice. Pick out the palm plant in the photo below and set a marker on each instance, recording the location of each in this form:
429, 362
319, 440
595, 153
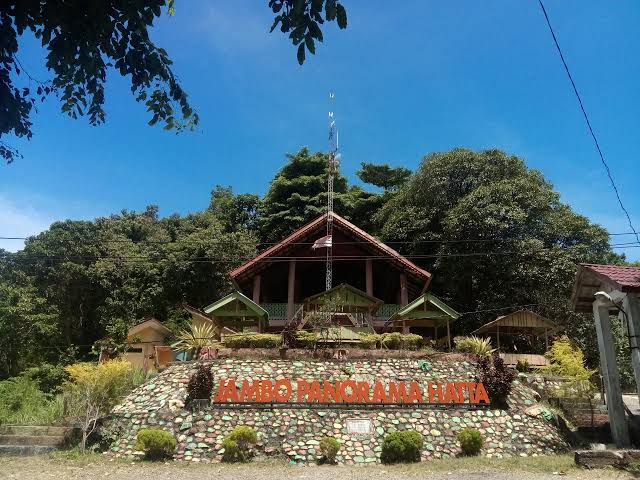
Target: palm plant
194, 340
475, 345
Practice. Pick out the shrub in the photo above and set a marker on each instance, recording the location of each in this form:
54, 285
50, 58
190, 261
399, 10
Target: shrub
48, 377
402, 447
200, 384
307, 339
398, 341
474, 345
497, 379
93, 390
471, 441
523, 366
237, 445
329, 448
567, 360
370, 340
253, 340
156, 443
21, 401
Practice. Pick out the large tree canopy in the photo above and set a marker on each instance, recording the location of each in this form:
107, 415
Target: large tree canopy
493, 231
85, 39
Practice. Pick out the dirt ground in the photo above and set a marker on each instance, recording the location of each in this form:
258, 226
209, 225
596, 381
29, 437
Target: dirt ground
95, 467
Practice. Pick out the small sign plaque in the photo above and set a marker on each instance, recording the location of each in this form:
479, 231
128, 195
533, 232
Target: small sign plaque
359, 426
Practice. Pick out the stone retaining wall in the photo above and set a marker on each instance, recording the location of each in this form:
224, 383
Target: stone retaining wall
521, 430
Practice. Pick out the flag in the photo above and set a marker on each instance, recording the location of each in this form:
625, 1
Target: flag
323, 242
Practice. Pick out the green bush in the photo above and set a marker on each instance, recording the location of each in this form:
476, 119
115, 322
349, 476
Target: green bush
156, 444
401, 447
253, 340
48, 377
21, 401
471, 441
329, 448
370, 340
474, 345
401, 341
306, 339
567, 360
237, 445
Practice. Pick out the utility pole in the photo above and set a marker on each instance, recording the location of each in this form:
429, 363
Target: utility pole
332, 161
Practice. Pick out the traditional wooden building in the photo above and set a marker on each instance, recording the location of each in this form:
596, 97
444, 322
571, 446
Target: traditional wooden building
374, 282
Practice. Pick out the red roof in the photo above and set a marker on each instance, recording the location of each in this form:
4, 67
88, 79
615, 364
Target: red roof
347, 226
626, 278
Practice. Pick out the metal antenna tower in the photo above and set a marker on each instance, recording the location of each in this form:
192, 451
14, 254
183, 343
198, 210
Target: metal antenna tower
332, 160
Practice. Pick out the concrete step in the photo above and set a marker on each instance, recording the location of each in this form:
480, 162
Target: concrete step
23, 450
34, 430
32, 440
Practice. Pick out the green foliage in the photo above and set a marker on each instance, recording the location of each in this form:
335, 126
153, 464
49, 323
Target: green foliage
157, 444
497, 379
536, 241
623, 356
329, 448
93, 390
383, 176
200, 384
306, 339
523, 366
23, 402
197, 337
401, 341
401, 447
82, 43
370, 340
471, 441
237, 445
303, 19
253, 340
567, 360
474, 345
48, 377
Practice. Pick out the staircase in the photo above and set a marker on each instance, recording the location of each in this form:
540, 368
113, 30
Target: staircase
33, 439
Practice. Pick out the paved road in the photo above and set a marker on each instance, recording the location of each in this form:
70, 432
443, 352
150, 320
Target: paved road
44, 468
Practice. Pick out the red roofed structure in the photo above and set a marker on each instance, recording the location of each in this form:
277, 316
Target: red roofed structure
280, 278
592, 278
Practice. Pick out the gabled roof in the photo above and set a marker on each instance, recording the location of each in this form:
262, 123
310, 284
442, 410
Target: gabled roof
520, 320
348, 295
594, 277
152, 323
219, 307
426, 305
338, 222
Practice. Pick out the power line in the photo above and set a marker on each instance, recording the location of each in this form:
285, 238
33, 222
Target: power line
586, 117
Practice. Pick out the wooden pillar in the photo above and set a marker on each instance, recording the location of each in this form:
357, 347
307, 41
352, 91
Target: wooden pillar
369, 283
546, 338
291, 288
448, 335
617, 419
631, 307
256, 288
369, 276
435, 332
498, 336
404, 293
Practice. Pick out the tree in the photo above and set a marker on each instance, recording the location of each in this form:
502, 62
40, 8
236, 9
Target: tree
383, 176
235, 212
84, 40
298, 194
93, 390
493, 231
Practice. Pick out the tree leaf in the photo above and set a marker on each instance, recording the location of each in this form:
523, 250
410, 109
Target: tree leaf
301, 53
341, 15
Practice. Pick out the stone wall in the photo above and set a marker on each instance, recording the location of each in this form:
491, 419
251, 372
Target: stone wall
521, 430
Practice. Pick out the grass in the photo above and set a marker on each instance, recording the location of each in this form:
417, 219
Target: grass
540, 464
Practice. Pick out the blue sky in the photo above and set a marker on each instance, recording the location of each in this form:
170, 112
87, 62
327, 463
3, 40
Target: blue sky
410, 79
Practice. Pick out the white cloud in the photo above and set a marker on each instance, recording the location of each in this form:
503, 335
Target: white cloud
20, 219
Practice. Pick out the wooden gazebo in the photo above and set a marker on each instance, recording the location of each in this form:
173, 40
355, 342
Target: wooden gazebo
522, 322
238, 312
